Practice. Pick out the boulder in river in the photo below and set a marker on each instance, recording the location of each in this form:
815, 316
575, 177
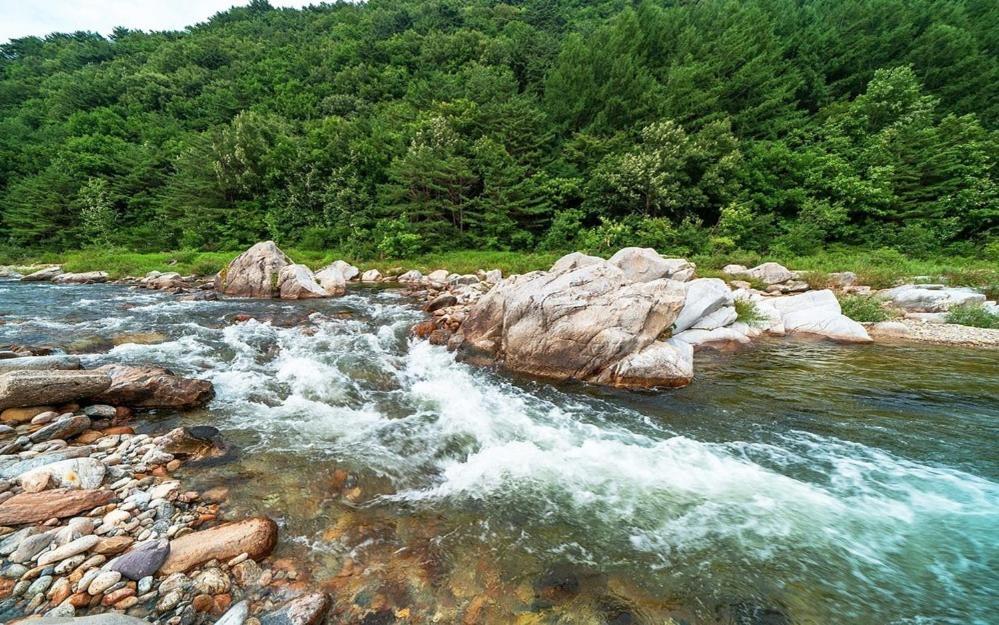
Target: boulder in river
255, 536
87, 277
60, 503
589, 322
42, 275
152, 387
298, 282
34, 388
332, 280
254, 273
348, 271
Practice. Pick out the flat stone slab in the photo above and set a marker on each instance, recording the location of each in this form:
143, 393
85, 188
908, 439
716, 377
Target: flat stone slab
39, 363
59, 503
39, 388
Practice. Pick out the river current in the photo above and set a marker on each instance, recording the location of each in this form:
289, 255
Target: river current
793, 482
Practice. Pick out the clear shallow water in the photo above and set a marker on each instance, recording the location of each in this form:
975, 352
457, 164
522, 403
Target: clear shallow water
795, 482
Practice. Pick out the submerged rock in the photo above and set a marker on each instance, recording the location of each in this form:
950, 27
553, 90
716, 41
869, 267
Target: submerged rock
153, 387
305, 610
254, 273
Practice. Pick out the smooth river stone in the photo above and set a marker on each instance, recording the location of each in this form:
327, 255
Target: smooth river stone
80, 545
39, 363
255, 536
109, 618
236, 615
64, 429
143, 560
59, 503
305, 610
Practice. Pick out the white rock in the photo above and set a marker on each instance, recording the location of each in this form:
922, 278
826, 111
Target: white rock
331, 278
438, 276
734, 270
700, 338
103, 581
770, 273
661, 363
704, 296
348, 271
931, 297
85, 473
819, 313
297, 282
410, 276
644, 264
371, 275
717, 319
80, 545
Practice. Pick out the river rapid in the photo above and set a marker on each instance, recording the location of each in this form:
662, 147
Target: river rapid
793, 482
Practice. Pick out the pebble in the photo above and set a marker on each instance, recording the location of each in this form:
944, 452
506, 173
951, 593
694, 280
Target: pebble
103, 582
145, 584
40, 585
80, 545
169, 601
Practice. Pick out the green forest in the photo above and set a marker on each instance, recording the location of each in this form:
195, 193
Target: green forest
398, 127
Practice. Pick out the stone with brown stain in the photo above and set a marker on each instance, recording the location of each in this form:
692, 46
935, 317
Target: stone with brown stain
255, 536
50, 504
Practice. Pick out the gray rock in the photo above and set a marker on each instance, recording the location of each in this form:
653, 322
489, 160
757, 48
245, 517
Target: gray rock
441, 301
39, 388
297, 282
348, 271
931, 298
254, 273
371, 275
573, 261
74, 473
142, 560
39, 585
332, 280
410, 276
87, 277
108, 618
80, 545
100, 410
703, 297
39, 363
10, 543
42, 275
818, 313
770, 273
63, 429
32, 546
11, 471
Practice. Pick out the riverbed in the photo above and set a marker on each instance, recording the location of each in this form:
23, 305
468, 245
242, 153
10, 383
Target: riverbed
793, 482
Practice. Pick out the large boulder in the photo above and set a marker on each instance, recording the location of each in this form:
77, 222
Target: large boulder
255, 536
577, 324
42, 275
332, 279
931, 297
37, 388
254, 273
87, 277
297, 282
348, 271
770, 273
819, 313
152, 387
644, 264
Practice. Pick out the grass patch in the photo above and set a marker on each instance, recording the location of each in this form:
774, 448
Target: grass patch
863, 308
747, 312
974, 315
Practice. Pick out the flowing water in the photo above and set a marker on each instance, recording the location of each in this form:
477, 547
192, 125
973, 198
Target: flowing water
794, 482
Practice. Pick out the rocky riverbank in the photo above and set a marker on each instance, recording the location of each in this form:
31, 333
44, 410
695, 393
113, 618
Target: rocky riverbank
92, 521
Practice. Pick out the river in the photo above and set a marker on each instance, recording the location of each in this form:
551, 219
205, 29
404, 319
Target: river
793, 482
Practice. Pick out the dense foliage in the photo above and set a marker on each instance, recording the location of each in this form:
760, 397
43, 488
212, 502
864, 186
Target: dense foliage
395, 127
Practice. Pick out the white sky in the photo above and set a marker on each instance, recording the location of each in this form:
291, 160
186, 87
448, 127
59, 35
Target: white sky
20, 18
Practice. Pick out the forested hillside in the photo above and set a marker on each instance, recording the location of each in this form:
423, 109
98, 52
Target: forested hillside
398, 126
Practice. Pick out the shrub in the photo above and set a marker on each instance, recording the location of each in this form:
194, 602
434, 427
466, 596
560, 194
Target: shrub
974, 315
863, 308
206, 267
747, 312
817, 279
